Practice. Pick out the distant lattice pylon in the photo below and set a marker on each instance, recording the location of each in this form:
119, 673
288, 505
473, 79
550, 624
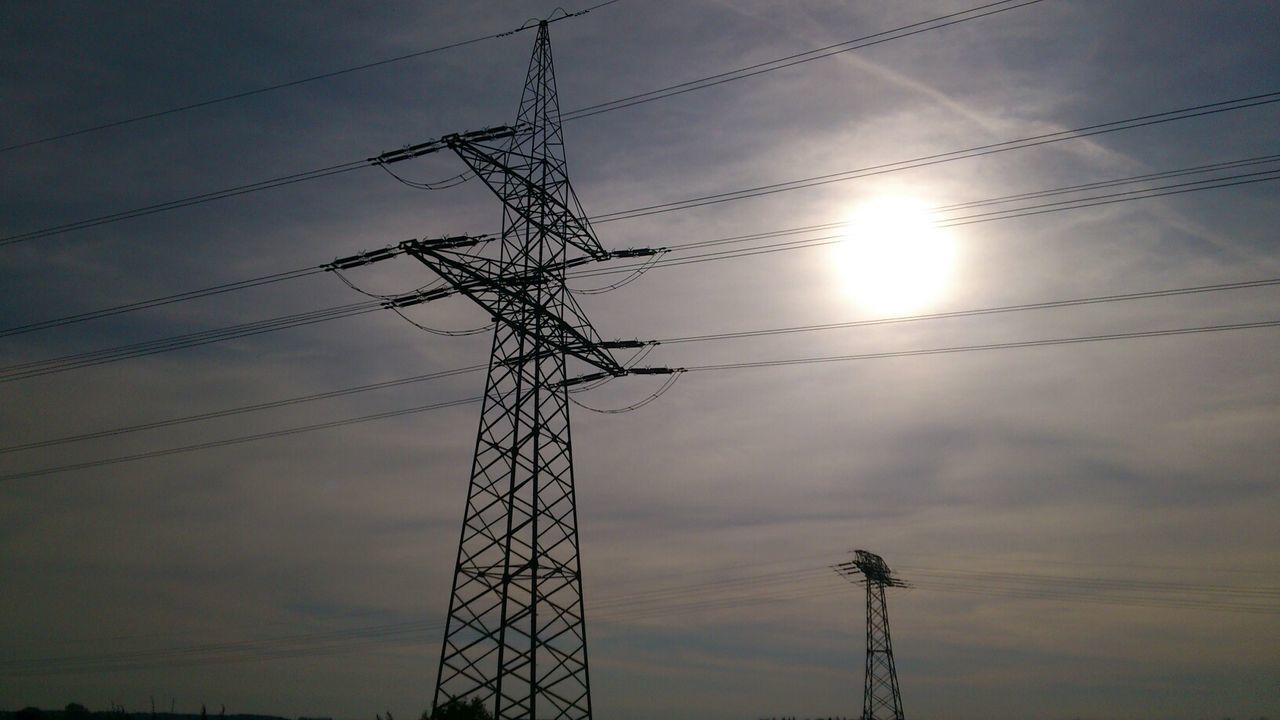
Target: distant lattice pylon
881, 698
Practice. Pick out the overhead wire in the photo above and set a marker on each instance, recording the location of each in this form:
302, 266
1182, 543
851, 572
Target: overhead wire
975, 312
186, 202
741, 73
1099, 184
741, 365
240, 410
644, 352
637, 269
632, 270
280, 86
1100, 337
945, 157
1195, 111
215, 195
64, 363
164, 300
439, 282
444, 184
1009, 214
438, 331
241, 439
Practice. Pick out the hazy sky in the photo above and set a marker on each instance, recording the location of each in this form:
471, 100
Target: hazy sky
1090, 526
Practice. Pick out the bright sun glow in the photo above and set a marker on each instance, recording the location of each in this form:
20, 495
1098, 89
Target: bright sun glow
893, 259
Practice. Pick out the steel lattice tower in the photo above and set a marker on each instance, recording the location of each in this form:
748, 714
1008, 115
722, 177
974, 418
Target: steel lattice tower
516, 630
881, 699
516, 635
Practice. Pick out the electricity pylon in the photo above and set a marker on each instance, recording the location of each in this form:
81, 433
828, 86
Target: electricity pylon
516, 631
881, 699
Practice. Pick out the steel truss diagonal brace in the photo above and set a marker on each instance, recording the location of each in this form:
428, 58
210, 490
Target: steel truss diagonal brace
483, 280
488, 163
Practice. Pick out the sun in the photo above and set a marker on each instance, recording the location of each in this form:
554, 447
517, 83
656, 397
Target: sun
893, 258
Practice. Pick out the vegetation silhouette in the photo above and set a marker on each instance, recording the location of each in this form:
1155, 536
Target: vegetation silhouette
457, 709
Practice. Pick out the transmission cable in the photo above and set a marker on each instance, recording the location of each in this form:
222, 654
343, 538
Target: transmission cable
256, 407
444, 184
796, 59
37, 368
438, 331
985, 347
687, 368
429, 286
98, 357
976, 312
1141, 121
637, 270
187, 201
166, 300
244, 438
952, 222
289, 84
939, 158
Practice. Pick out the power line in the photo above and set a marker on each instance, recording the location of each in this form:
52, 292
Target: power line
985, 347
1097, 185
37, 368
971, 312
65, 363
242, 439
228, 412
688, 368
280, 86
242, 189
939, 158
797, 59
1060, 206
187, 201
1141, 121
639, 269
165, 300
975, 312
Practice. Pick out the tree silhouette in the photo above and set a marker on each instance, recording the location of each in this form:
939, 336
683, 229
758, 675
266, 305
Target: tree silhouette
457, 709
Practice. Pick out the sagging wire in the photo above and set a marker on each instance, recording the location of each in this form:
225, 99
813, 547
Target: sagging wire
345, 281
444, 184
437, 331
632, 277
388, 298
634, 406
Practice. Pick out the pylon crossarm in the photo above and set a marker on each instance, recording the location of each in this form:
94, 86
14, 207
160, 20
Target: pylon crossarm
484, 283
409, 152
487, 268
368, 257
487, 164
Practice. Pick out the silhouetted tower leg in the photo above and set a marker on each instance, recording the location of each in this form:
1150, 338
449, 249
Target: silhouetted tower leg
880, 697
516, 634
